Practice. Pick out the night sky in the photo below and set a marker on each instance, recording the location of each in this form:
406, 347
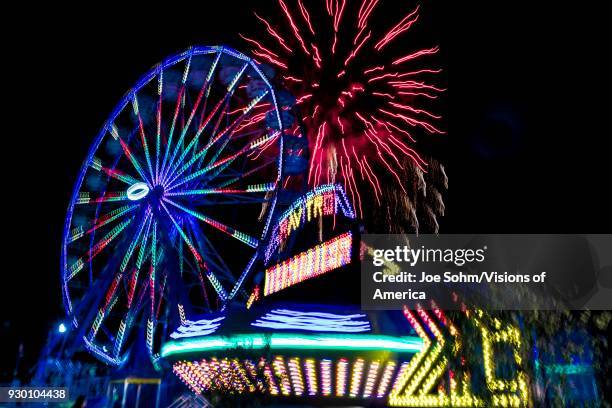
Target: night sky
525, 151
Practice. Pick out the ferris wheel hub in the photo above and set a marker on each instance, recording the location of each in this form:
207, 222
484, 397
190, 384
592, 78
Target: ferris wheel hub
157, 193
137, 191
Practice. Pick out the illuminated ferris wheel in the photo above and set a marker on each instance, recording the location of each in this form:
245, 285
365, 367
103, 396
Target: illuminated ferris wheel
173, 201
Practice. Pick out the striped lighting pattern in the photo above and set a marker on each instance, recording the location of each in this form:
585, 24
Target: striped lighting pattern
318, 260
356, 378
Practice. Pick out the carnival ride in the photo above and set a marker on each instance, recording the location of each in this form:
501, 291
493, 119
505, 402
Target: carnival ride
174, 199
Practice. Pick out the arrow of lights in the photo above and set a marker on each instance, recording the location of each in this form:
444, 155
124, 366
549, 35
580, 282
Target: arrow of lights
413, 386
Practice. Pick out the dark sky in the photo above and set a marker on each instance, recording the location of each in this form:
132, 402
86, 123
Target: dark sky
525, 152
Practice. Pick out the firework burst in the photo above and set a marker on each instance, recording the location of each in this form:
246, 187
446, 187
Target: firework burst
363, 104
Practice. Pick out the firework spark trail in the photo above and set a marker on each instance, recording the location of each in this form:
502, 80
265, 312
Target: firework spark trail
335, 9
361, 102
274, 34
296, 30
402, 26
415, 55
306, 16
365, 10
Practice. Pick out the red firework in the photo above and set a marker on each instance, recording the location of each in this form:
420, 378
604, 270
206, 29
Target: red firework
360, 101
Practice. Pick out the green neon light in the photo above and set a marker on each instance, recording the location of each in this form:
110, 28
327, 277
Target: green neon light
568, 369
283, 341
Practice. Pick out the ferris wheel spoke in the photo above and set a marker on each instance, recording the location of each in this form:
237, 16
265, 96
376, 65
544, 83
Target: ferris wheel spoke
245, 111
215, 258
237, 136
229, 201
96, 164
208, 79
224, 101
143, 255
180, 105
234, 199
214, 136
202, 172
158, 120
213, 132
257, 143
110, 299
79, 264
143, 246
135, 240
216, 109
200, 262
183, 235
203, 91
219, 150
253, 188
132, 287
226, 160
181, 139
243, 275
228, 132
126, 150
151, 321
108, 238
120, 337
172, 174
160, 298
255, 154
256, 118
245, 174
107, 197
126, 323
179, 102
143, 136
105, 219
232, 232
152, 271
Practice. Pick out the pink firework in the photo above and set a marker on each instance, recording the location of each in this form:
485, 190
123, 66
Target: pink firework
363, 104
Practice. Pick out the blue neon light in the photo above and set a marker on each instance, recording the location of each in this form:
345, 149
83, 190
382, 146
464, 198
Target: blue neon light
197, 328
313, 321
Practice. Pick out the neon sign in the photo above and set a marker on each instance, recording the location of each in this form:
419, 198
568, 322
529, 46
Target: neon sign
316, 261
315, 206
325, 200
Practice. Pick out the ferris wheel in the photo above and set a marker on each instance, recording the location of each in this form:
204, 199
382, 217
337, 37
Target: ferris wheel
174, 200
